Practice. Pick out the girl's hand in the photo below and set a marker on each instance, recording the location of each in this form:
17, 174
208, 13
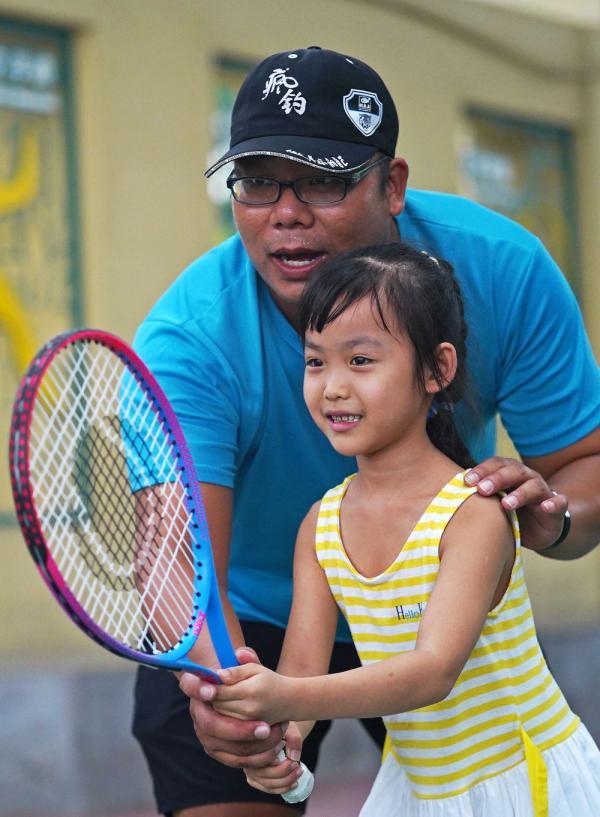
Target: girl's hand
280, 776
251, 692
231, 741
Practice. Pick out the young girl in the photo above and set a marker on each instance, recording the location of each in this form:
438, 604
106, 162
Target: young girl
427, 572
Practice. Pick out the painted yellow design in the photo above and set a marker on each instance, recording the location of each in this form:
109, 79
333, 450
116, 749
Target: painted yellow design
17, 193
21, 189
13, 320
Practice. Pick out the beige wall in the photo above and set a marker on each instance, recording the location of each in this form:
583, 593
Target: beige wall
143, 84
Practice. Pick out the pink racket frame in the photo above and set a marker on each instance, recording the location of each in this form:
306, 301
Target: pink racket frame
207, 605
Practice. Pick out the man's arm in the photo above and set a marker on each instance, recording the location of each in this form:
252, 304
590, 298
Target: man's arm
573, 473
181, 359
548, 395
229, 740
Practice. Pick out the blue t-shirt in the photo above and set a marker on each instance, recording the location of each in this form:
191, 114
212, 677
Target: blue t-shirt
232, 367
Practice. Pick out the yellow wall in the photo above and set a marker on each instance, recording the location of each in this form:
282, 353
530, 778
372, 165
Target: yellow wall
143, 72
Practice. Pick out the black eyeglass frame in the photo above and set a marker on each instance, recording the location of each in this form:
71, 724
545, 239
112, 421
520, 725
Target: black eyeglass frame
349, 181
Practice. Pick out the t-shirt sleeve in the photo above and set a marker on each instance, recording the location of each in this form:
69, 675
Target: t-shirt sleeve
548, 382
201, 388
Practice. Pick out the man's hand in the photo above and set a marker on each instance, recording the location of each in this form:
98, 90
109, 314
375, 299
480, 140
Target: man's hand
281, 775
236, 743
541, 512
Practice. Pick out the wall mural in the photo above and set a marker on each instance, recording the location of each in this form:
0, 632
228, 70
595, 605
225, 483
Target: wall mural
39, 269
229, 73
525, 170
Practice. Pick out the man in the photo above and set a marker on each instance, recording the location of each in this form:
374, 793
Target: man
313, 143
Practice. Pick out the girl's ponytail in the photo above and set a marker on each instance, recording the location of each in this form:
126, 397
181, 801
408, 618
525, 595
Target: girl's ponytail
442, 432
441, 427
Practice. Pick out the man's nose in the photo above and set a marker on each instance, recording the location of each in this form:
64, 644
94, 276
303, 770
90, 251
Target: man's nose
289, 210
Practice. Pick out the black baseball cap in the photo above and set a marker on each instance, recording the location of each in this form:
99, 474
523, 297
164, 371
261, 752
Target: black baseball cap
314, 106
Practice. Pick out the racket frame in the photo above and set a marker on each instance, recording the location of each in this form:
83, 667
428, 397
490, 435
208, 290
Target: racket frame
205, 585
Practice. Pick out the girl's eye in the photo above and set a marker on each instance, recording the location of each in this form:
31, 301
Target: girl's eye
313, 363
360, 360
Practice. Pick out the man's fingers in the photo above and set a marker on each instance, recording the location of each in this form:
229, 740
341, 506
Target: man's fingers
529, 495
557, 504
533, 492
210, 725
293, 742
207, 692
246, 655
250, 759
251, 754
479, 472
190, 684
277, 778
509, 475
523, 486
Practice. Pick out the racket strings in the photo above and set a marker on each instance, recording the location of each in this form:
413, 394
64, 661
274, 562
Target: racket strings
102, 459
110, 498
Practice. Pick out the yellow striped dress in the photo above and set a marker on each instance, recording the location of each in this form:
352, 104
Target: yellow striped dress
496, 744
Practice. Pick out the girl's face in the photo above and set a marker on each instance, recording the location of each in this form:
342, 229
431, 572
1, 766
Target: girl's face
360, 384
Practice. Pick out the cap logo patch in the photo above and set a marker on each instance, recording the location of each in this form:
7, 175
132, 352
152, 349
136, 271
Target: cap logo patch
291, 100
364, 110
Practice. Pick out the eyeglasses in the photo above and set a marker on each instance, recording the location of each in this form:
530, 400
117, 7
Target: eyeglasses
257, 190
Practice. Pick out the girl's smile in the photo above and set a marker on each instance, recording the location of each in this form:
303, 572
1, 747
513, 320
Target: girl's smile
360, 383
343, 422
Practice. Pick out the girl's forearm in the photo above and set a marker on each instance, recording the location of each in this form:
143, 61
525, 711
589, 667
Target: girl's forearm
397, 684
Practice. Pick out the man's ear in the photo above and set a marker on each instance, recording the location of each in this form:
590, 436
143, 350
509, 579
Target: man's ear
445, 355
396, 185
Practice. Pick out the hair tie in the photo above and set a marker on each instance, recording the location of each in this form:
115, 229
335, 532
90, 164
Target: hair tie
431, 257
437, 406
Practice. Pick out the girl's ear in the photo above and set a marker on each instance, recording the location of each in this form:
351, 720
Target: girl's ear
446, 359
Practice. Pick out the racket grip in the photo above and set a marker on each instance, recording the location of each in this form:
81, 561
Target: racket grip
304, 784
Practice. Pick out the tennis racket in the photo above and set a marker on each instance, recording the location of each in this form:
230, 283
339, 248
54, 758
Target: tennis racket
110, 507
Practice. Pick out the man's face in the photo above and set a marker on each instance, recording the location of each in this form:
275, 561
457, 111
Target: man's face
287, 240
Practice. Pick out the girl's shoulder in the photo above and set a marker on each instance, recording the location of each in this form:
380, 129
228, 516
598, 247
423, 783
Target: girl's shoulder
482, 522
324, 510
308, 525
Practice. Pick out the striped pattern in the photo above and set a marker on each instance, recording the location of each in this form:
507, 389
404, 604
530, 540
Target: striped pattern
475, 733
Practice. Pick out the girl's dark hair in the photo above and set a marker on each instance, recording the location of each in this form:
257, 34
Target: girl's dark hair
424, 297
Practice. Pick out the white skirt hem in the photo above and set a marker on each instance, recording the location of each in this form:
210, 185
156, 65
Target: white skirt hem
573, 788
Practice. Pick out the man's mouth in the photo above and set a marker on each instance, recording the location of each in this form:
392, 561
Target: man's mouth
298, 262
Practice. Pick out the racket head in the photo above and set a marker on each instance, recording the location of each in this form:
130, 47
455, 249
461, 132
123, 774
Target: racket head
80, 414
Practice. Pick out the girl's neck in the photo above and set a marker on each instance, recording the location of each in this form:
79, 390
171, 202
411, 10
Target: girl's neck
390, 471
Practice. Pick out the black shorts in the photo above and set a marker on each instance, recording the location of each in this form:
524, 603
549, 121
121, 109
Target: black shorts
182, 773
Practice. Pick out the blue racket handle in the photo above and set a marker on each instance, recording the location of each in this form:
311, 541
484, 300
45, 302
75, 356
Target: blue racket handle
304, 784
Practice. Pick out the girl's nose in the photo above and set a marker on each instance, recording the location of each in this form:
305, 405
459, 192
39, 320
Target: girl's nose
336, 388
